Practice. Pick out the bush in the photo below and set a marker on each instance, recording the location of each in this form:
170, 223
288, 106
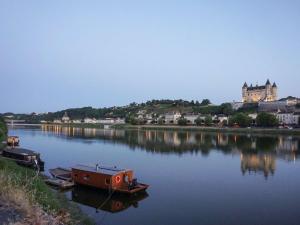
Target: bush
240, 119
208, 120
3, 129
266, 120
182, 122
198, 121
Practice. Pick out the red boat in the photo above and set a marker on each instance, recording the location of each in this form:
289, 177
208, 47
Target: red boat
108, 178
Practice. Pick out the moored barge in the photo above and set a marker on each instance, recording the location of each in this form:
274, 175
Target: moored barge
24, 157
108, 178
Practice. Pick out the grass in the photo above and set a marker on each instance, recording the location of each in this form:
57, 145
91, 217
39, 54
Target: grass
26, 192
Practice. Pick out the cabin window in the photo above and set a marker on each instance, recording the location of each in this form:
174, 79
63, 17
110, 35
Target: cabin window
76, 175
86, 177
107, 181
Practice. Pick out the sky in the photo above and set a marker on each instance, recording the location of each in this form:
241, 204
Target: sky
62, 54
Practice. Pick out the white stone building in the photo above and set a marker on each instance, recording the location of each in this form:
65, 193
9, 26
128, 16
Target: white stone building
288, 118
172, 117
191, 118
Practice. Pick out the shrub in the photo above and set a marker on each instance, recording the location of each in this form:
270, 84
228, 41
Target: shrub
266, 120
208, 120
241, 119
182, 122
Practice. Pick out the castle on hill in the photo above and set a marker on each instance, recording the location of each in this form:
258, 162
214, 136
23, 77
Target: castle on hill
265, 93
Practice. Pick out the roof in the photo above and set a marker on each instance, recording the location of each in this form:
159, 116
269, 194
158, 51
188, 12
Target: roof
256, 88
101, 169
268, 82
21, 151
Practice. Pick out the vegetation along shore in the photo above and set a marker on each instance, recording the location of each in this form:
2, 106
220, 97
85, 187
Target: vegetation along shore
26, 199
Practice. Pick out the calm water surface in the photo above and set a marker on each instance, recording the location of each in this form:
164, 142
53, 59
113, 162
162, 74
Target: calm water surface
195, 177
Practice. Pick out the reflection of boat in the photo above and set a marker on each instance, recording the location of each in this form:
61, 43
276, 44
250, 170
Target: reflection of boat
100, 199
109, 178
13, 141
24, 157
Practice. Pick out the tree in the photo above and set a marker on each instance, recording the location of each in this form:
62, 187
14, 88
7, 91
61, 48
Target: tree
226, 108
266, 120
182, 121
161, 121
3, 129
198, 121
208, 120
240, 119
205, 102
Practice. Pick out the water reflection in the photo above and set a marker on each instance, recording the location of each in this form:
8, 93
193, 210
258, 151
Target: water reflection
102, 200
258, 152
258, 163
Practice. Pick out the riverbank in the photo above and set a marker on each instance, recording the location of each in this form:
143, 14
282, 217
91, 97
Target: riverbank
212, 129
26, 199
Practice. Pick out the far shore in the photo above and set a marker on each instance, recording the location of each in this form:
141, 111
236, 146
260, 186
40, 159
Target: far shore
213, 129
258, 130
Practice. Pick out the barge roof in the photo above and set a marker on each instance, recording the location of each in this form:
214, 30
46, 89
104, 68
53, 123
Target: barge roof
20, 151
101, 169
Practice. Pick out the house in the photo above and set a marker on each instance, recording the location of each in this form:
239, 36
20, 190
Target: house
172, 117
65, 118
89, 120
76, 121
191, 118
288, 118
57, 121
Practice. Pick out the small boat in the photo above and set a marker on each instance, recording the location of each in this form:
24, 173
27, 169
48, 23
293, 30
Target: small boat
13, 141
24, 157
61, 184
61, 173
108, 178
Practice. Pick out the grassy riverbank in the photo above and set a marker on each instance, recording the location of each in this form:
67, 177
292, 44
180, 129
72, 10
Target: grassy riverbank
211, 129
27, 196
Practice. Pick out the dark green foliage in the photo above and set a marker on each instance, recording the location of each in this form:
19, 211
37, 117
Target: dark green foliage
199, 121
240, 119
224, 108
249, 108
205, 102
3, 129
208, 120
182, 122
266, 120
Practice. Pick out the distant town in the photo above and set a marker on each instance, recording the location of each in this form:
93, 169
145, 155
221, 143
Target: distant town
259, 106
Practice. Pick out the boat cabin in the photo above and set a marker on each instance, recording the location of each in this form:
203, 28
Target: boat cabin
24, 157
13, 141
109, 178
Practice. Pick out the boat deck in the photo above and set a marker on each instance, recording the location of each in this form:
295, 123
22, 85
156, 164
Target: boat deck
61, 173
62, 184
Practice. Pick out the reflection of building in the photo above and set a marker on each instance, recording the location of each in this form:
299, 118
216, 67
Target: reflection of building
258, 163
257, 93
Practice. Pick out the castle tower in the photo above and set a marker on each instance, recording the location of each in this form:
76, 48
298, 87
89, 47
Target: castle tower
274, 91
244, 92
268, 91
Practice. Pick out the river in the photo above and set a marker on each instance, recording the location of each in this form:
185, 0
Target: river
194, 177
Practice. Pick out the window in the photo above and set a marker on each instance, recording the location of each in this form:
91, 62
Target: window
86, 177
107, 181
